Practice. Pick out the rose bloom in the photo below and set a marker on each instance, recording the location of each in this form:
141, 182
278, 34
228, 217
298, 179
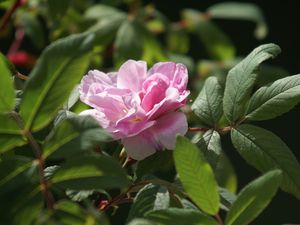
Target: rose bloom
139, 107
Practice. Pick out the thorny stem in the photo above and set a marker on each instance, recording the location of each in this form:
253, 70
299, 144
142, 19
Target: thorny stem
5, 19
219, 219
41, 161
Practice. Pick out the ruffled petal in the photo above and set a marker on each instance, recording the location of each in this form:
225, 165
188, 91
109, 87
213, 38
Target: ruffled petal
97, 115
131, 75
168, 127
141, 146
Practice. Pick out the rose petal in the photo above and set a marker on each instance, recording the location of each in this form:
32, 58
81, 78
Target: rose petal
140, 146
155, 90
97, 115
168, 127
131, 75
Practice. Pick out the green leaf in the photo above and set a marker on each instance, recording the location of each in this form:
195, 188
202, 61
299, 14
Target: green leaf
265, 151
8, 125
241, 79
129, 44
143, 201
69, 213
210, 144
101, 12
225, 174
11, 171
73, 136
9, 141
227, 198
252, 200
7, 91
180, 216
275, 99
241, 11
90, 172
108, 22
58, 70
21, 200
196, 176
208, 105
217, 43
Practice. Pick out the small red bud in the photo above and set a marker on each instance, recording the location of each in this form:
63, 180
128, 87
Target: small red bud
102, 205
21, 58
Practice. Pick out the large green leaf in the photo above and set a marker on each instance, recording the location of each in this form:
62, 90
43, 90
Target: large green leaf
72, 136
129, 44
241, 78
196, 176
90, 172
7, 92
265, 151
241, 11
58, 70
252, 200
208, 105
179, 216
275, 99
217, 43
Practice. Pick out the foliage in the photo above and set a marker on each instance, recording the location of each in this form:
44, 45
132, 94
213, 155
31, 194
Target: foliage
57, 167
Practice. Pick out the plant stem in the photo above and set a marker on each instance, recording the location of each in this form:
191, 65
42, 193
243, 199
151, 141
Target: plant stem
219, 219
197, 129
19, 36
5, 19
41, 161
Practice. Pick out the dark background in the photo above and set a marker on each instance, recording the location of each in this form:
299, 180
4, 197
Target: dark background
283, 19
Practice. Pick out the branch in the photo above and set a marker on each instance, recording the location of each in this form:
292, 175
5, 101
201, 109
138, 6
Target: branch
5, 19
219, 219
41, 161
203, 129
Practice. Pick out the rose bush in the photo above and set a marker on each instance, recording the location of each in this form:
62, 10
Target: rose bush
139, 107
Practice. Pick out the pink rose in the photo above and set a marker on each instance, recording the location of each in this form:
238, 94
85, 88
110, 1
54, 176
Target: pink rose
137, 106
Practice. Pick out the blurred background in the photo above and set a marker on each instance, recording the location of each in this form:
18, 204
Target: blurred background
175, 37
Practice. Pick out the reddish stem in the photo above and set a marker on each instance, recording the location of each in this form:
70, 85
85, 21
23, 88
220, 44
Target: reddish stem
197, 129
5, 19
19, 36
219, 219
40, 159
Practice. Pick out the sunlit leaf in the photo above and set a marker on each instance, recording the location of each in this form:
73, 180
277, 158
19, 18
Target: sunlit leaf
62, 64
196, 176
